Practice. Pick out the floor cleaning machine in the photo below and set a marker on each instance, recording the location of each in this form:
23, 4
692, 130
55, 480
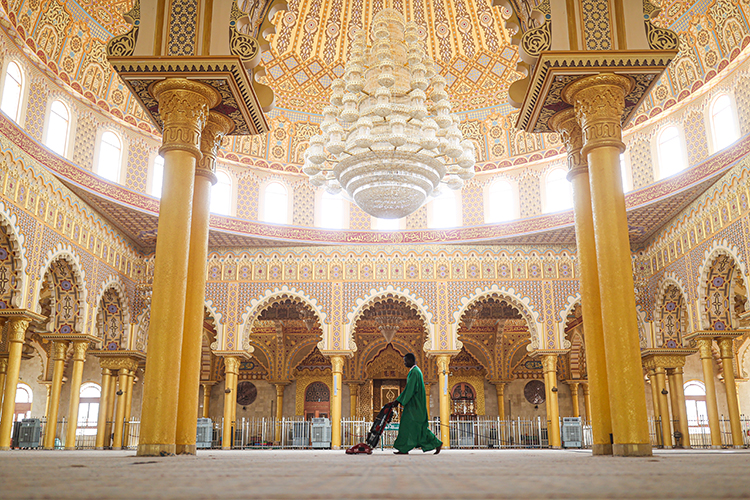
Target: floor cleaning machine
378, 426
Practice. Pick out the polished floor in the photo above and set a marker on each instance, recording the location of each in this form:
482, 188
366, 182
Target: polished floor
454, 474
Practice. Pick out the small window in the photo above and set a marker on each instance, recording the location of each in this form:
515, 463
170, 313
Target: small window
275, 201
332, 211
386, 224
558, 193
24, 398
722, 122
444, 210
12, 91
221, 194
157, 176
110, 156
624, 174
502, 202
671, 160
58, 128
88, 408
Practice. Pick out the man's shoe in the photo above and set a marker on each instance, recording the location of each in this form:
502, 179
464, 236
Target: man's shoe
437, 450
400, 453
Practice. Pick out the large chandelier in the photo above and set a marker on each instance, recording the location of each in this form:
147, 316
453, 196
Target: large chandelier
388, 138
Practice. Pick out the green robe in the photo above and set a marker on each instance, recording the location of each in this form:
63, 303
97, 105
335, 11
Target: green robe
413, 431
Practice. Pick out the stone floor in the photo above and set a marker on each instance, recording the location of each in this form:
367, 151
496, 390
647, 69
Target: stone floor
454, 474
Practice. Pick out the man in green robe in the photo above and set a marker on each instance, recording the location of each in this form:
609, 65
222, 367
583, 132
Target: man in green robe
413, 431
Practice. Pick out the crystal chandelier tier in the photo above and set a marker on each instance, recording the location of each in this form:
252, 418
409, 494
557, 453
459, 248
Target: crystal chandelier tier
389, 138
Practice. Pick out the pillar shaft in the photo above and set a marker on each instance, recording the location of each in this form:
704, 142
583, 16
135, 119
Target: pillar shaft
231, 367
427, 390
598, 412
599, 102
679, 411
666, 421
549, 363
3, 373
206, 399
110, 417
727, 358
16, 336
101, 422
574, 397
587, 401
130, 381
500, 391
120, 415
707, 362
337, 368
354, 401
655, 403
443, 364
79, 357
279, 410
183, 106
59, 349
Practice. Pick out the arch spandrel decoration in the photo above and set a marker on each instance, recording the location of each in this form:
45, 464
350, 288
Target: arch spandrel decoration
113, 314
670, 312
69, 281
13, 263
715, 285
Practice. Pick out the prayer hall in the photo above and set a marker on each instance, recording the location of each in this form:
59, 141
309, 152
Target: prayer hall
224, 223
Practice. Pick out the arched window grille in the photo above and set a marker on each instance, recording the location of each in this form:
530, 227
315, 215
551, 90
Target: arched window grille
722, 122
444, 210
671, 159
502, 202
12, 91
558, 193
157, 176
110, 156
275, 204
332, 211
221, 194
58, 128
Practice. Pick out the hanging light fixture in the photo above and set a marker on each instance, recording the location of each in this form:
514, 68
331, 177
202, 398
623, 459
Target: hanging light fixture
388, 316
388, 138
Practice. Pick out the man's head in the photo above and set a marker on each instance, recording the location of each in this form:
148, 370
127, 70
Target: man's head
410, 360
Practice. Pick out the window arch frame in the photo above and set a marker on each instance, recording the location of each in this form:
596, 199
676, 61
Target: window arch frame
289, 200
545, 190
20, 117
320, 196
457, 200
152, 174
711, 129
657, 154
232, 192
23, 386
68, 143
123, 154
488, 200
90, 428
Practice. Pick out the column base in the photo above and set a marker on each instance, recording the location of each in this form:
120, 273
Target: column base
185, 449
632, 450
4, 448
715, 447
226, 447
155, 450
737, 447
602, 449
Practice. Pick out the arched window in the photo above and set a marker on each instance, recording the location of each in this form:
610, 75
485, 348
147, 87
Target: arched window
332, 214
624, 174
669, 146
444, 210
722, 122
558, 194
88, 408
221, 194
110, 156
695, 403
12, 91
24, 398
386, 224
275, 203
502, 202
157, 176
58, 128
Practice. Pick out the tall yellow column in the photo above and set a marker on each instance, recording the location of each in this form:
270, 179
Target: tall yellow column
110, 416
707, 361
279, 409
598, 412
3, 373
192, 337
183, 106
79, 357
727, 357
679, 411
574, 397
666, 421
59, 350
549, 364
128, 407
206, 399
124, 377
655, 403
599, 102
443, 364
231, 369
427, 391
354, 400
587, 401
337, 370
16, 335
500, 391
101, 422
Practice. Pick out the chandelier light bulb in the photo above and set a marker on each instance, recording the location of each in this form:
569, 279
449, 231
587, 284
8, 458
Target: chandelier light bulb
388, 138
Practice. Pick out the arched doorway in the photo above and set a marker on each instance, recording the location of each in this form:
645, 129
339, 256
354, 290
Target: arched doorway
463, 400
317, 401
697, 413
24, 398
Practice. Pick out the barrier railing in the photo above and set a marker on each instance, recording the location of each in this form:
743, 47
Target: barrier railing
262, 433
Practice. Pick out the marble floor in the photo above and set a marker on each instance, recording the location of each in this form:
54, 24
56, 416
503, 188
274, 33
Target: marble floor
454, 474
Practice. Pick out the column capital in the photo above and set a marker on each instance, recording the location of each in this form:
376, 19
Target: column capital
17, 329
184, 107
599, 101
59, 349
3, 365
79, 350
566, 124
337, 364
231, 364
726, 346
704, 347
217, 126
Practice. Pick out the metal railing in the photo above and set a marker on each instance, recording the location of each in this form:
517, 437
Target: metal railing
262, 433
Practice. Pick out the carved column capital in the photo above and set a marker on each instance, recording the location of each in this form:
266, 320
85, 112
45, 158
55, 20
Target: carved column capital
704, 347
549, 363
566, 124
79, 350
599, 101
17, 329
3, 366
217, 126
231, 364
183, 107
59, 349
443, 362
337, 364
726, 345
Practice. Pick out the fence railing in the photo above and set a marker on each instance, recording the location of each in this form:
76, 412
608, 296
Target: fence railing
264, 433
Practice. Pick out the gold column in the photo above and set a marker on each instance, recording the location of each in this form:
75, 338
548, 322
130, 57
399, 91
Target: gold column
16, 335
598, 412
48, 387
677, 393
79, 357
231, 368
666, 421
110, 416
337, 368
655, 403
443, 364
124, 375
427, 390
192, 337
704, 346
101, 422
279, 409
587, 402
599, 101
354, 400
3, 372
500, 390
183, 106
549, 363
574, 397
59, 349
727, 357
128, 407
206, 399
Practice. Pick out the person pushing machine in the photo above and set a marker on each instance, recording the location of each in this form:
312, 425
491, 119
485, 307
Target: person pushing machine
413, 431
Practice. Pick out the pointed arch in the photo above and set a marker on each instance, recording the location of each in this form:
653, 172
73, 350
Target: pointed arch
670, 311
712, 276
116, 308
15, 262
77, 293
